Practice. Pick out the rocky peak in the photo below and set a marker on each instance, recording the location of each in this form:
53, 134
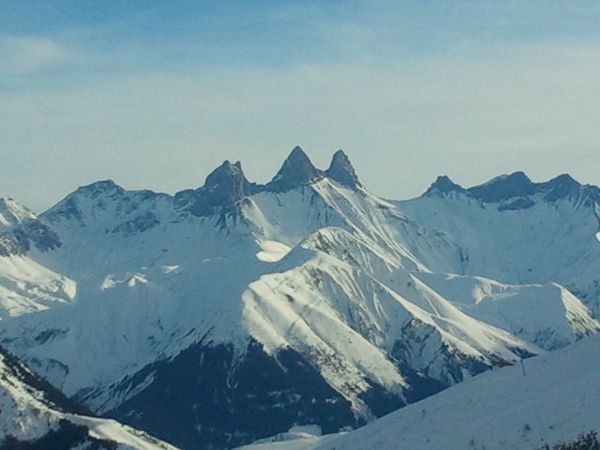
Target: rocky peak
561, 187
12, 212
297, 170
504, 187
226, 185
21, 229
443, 185
99, 188
342, 171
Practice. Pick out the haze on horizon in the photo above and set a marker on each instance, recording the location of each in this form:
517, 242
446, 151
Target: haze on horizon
157, 94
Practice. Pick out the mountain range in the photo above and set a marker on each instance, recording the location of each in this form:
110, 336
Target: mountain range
234, 311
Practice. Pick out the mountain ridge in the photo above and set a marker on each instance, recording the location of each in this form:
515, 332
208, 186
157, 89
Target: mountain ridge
378, 302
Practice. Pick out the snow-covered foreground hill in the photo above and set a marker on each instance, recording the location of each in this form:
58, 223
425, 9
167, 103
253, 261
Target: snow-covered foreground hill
554, 399
234, 311
33, 414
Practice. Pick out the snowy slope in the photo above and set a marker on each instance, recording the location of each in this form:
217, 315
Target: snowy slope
555, 401
309, 277
21, 230
535, 233
32, 410
26, 285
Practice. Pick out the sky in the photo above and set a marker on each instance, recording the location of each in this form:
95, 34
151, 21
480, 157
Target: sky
156, 94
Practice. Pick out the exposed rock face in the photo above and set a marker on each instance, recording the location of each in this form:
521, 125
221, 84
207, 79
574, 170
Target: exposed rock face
342, 171
443, 185
297, 170
504, 187
34, 415
229, 406
516, 191
223, 189
20, 230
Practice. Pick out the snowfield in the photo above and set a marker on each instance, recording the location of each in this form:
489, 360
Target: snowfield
555, 401
115, 295
29, 410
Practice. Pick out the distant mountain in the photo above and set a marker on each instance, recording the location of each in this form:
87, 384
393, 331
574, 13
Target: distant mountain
35, 415
234, 311
21, 230
549, 403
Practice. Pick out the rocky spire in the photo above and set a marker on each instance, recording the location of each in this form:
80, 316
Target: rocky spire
224, 187
342, 171
297, 170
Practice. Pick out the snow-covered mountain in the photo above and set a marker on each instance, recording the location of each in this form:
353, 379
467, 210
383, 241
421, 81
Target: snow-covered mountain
551, 401
235, 310
34, 414
515, 231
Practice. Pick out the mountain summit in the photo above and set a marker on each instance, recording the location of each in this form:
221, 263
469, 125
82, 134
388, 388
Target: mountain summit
297, 170
443, 185
504, 187
239, 310
226, 185
342, 171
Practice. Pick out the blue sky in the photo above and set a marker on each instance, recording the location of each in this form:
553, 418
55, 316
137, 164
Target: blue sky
157, 94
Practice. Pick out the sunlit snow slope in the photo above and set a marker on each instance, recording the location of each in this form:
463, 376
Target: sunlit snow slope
237, 310
33, 413
552, 400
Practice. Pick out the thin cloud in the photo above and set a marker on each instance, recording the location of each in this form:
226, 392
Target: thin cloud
528, 107
26, 55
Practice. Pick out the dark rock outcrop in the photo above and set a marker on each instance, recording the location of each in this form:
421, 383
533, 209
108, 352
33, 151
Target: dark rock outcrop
443, 185
342, 171
296, 171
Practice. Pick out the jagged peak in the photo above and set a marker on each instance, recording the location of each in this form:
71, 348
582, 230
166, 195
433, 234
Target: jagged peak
342, 171
443, 185
297, 170
224, 187
515, 189
226, 173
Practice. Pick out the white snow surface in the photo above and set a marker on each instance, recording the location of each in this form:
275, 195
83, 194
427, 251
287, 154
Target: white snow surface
555, 401
26, 414
338, 275
13, 213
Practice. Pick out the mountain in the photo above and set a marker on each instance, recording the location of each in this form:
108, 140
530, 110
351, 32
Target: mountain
234, 311
515, 231
35, 415
27, 286
551, 401
21, 230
